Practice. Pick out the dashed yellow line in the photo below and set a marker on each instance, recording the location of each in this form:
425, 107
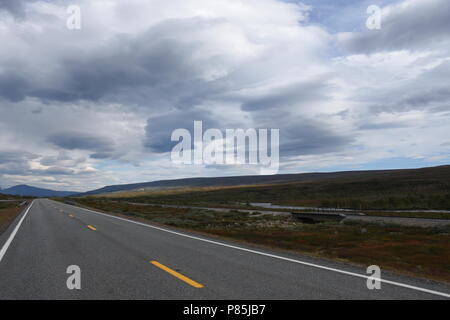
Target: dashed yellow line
92, 228
177, 275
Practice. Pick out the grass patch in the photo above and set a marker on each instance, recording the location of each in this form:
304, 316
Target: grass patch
425, 215
8, 211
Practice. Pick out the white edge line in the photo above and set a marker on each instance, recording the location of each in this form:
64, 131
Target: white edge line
13, 234
398, 284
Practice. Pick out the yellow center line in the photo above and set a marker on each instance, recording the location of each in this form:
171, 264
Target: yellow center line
91, 227
177, 275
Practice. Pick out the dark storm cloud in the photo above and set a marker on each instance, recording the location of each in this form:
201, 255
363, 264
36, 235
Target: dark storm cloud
101, 155
298, 136
82, 141
383, 125
426, 97
13, 87
151, 67
302, 134
17, 7
310, 137
16, 156
296, 94
417, 26
159, 129
19, 168
428, 91
14, 7
61, 159
57, 171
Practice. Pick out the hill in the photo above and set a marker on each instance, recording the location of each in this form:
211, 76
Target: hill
24, 190
231, 181
426, 188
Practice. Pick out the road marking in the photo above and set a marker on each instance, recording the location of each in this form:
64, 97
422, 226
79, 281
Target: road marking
71, 215
13, 234
177, 275
394, 283
91, 227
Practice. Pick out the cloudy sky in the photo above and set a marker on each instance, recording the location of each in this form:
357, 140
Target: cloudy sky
80, 109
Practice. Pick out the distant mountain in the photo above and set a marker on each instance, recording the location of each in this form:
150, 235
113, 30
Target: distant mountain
240, 180
434, 172
24, 190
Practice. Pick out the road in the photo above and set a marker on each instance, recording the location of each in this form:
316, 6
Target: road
121, 259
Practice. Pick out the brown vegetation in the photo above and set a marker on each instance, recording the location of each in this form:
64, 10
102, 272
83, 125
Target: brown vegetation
8, 211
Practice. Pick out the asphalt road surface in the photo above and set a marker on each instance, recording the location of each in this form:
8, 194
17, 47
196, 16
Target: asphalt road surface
121, 259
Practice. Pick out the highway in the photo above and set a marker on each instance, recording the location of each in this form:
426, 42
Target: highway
121, 259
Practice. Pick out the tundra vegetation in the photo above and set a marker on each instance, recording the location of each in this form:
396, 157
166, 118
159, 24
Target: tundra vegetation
8, 211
